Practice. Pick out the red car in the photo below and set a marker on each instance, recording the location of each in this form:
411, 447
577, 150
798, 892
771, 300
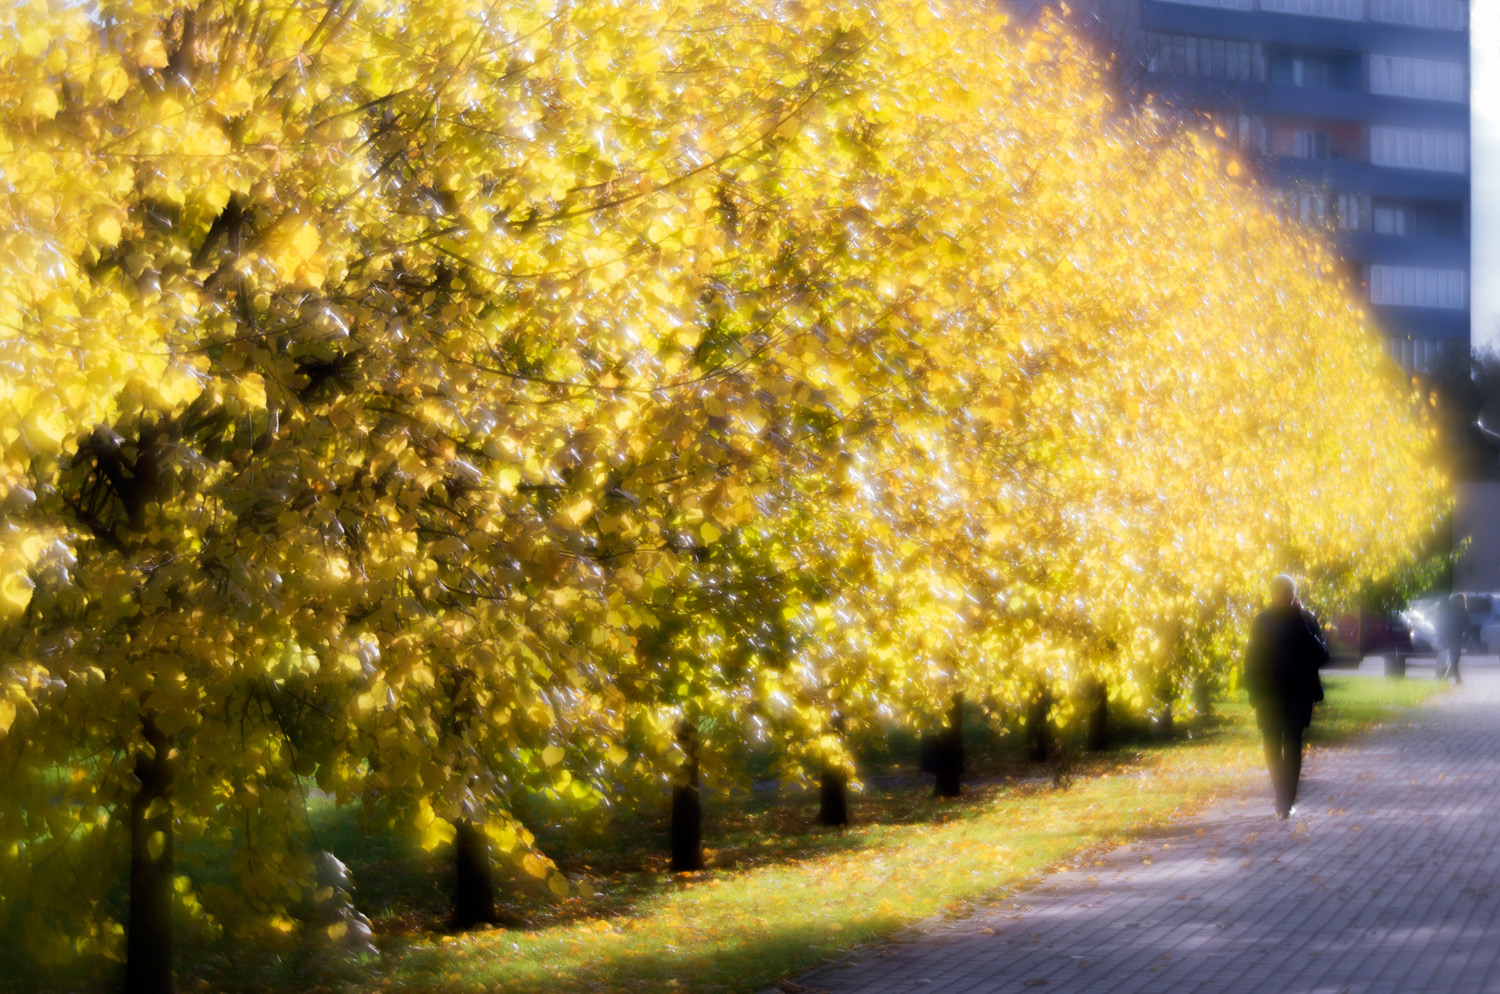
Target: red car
1362, 633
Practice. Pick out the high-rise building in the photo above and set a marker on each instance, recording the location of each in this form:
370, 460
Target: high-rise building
1357, 113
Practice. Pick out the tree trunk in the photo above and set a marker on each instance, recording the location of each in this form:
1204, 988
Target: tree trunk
148, 940
1038, 736
1203, 697
473, 881
687, 809
1161, 722
948, 752
833, 797
1096, 731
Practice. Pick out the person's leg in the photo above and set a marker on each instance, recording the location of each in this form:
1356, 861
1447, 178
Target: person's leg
1272, 734
1453, 674
1291, 758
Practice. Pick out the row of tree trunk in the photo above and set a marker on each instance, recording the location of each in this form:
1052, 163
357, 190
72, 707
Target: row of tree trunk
149, 938
942, 756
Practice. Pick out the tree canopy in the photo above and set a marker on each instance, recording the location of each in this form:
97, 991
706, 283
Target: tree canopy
438, 403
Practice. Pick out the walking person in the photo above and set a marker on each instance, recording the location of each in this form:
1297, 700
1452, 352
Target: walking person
1452, 626
1281, 674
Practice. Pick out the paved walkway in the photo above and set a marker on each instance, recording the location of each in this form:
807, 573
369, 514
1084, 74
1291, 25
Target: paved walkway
1386, 880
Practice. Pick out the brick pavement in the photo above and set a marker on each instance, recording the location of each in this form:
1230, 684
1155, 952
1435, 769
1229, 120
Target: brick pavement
1386, 880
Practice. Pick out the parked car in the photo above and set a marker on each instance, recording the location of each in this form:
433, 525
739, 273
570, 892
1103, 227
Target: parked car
1360, 633
1484, 623
1421, 617
1483, 634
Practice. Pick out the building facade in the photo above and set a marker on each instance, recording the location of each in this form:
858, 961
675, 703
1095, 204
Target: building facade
1357, 113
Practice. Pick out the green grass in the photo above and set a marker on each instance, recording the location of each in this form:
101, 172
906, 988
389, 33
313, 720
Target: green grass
782, 893
1357, 702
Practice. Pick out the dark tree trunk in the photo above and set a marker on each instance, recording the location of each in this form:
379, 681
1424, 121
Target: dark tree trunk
473, 881
833, 797
1161, 722
1203, 697
1038, 735
687, 809
148, 939
1096, 729
948, 752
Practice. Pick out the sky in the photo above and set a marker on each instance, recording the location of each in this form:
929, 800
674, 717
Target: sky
1484, 166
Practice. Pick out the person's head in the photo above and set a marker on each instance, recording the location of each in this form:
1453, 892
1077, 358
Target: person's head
1459, 600
1283, 590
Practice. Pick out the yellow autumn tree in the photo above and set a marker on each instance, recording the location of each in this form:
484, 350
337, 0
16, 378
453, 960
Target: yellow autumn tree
438, 404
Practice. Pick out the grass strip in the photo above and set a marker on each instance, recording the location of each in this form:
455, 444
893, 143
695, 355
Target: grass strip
783, 898
740, 931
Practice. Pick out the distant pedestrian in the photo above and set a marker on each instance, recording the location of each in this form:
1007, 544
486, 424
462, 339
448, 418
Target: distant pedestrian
1452, 627
1281, 674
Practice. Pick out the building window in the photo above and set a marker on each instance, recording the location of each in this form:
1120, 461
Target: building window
1349, 10
1353, 211
1300, 70
1450, 14
1411, 148
1409, 286
1231, 4
1350, 211
1418, 78
1402, 218
1390, 220
1311, 145
1190, 55
1306, 206
1421, 355
1245, 136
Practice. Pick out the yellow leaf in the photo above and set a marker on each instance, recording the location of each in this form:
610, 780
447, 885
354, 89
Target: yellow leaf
551, 755
151, 53
7, 715
34, 41
156, 843
558, 884
435, 833
305, 242
576, 513
105, 230
111, 81
338, 930
15, 592
40, 101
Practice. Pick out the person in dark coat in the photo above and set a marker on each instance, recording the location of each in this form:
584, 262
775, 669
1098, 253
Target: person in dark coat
1281, 674
1452, 625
